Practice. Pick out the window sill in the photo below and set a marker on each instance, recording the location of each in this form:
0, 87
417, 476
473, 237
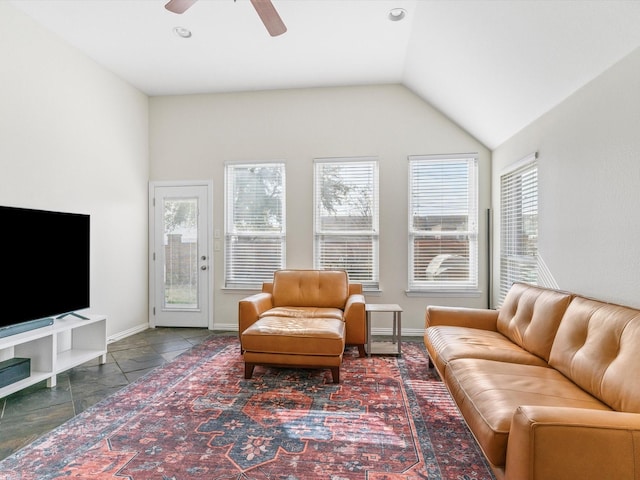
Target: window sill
444, 293
373, 292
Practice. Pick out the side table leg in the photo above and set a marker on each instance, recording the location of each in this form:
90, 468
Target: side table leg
399, 333
394, 331
368, 319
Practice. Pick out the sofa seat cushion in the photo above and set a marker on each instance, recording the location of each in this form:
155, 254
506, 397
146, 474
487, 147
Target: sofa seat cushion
447, 343
304, 312
488, 393
295, 336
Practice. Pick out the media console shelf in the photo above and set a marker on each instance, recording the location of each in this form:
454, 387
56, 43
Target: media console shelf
67, 343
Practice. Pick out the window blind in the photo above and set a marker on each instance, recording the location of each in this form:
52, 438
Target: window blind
254, 223
443, 222
346, 217
519, 225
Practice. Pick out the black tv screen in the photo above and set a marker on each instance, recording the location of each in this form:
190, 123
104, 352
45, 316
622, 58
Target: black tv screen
45, 264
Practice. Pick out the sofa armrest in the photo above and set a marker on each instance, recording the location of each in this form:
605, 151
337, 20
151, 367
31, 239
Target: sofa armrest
355, 319
481, 318
547, 443
250, 308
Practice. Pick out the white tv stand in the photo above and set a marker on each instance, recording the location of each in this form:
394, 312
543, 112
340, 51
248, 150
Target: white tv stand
67, 343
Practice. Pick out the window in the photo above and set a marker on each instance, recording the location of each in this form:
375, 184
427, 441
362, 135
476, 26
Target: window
254, 223
346, 218
519, 224
443, 223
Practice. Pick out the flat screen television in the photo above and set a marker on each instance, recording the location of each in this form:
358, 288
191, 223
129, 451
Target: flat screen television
45, 267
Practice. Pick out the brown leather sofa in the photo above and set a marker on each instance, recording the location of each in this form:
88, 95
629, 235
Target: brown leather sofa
549, 385
303, 318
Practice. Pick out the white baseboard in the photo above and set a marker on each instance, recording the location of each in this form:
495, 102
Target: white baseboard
227, 327
127, 333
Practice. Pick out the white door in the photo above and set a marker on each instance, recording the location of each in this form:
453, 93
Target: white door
180, 264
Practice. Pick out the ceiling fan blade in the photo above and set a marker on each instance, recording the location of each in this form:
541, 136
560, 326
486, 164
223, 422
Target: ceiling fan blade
179, 6
269, 16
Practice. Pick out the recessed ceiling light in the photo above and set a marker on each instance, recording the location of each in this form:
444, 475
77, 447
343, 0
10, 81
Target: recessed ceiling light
397, 14
182, 32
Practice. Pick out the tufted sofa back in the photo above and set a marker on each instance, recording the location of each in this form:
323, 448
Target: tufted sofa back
530, 315
598, 347
310, 288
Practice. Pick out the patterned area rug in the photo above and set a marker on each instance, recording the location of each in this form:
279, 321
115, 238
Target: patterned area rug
198, 418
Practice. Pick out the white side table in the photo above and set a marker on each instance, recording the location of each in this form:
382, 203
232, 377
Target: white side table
385, 348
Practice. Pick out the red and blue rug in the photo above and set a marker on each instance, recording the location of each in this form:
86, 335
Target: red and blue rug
198, 418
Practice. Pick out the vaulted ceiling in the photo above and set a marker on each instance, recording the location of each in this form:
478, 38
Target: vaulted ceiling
491, 66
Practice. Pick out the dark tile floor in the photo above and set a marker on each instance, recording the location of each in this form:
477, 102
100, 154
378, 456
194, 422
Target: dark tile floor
28, 414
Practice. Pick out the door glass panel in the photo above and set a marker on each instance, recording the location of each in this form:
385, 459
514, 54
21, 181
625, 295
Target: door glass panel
180, 218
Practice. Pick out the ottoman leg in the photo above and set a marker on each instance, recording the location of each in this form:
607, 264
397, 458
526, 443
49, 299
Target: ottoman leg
335, 373
248, 370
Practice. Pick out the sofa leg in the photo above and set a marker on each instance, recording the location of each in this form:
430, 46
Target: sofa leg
335, 373
248, 370
361, 352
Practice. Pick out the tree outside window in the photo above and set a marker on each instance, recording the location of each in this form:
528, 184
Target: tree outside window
255, 223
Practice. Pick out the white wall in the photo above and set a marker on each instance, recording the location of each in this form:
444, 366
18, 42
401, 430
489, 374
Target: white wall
192, 136
589, 185
73, 137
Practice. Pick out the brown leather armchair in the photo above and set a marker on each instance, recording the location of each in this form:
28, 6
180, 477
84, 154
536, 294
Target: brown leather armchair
300, 313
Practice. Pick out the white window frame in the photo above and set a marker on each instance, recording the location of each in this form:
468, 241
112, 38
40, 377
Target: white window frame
519, 233
429, 273
246, 269
367, 167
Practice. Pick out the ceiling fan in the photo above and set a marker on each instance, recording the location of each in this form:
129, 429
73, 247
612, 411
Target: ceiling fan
266, 11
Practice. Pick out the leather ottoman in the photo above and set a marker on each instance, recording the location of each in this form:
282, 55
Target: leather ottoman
294, 342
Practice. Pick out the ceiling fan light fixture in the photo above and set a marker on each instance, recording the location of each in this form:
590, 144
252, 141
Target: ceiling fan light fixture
397, 14
182, 32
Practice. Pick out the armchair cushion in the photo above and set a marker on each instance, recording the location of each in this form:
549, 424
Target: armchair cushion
308, 312
310, 288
